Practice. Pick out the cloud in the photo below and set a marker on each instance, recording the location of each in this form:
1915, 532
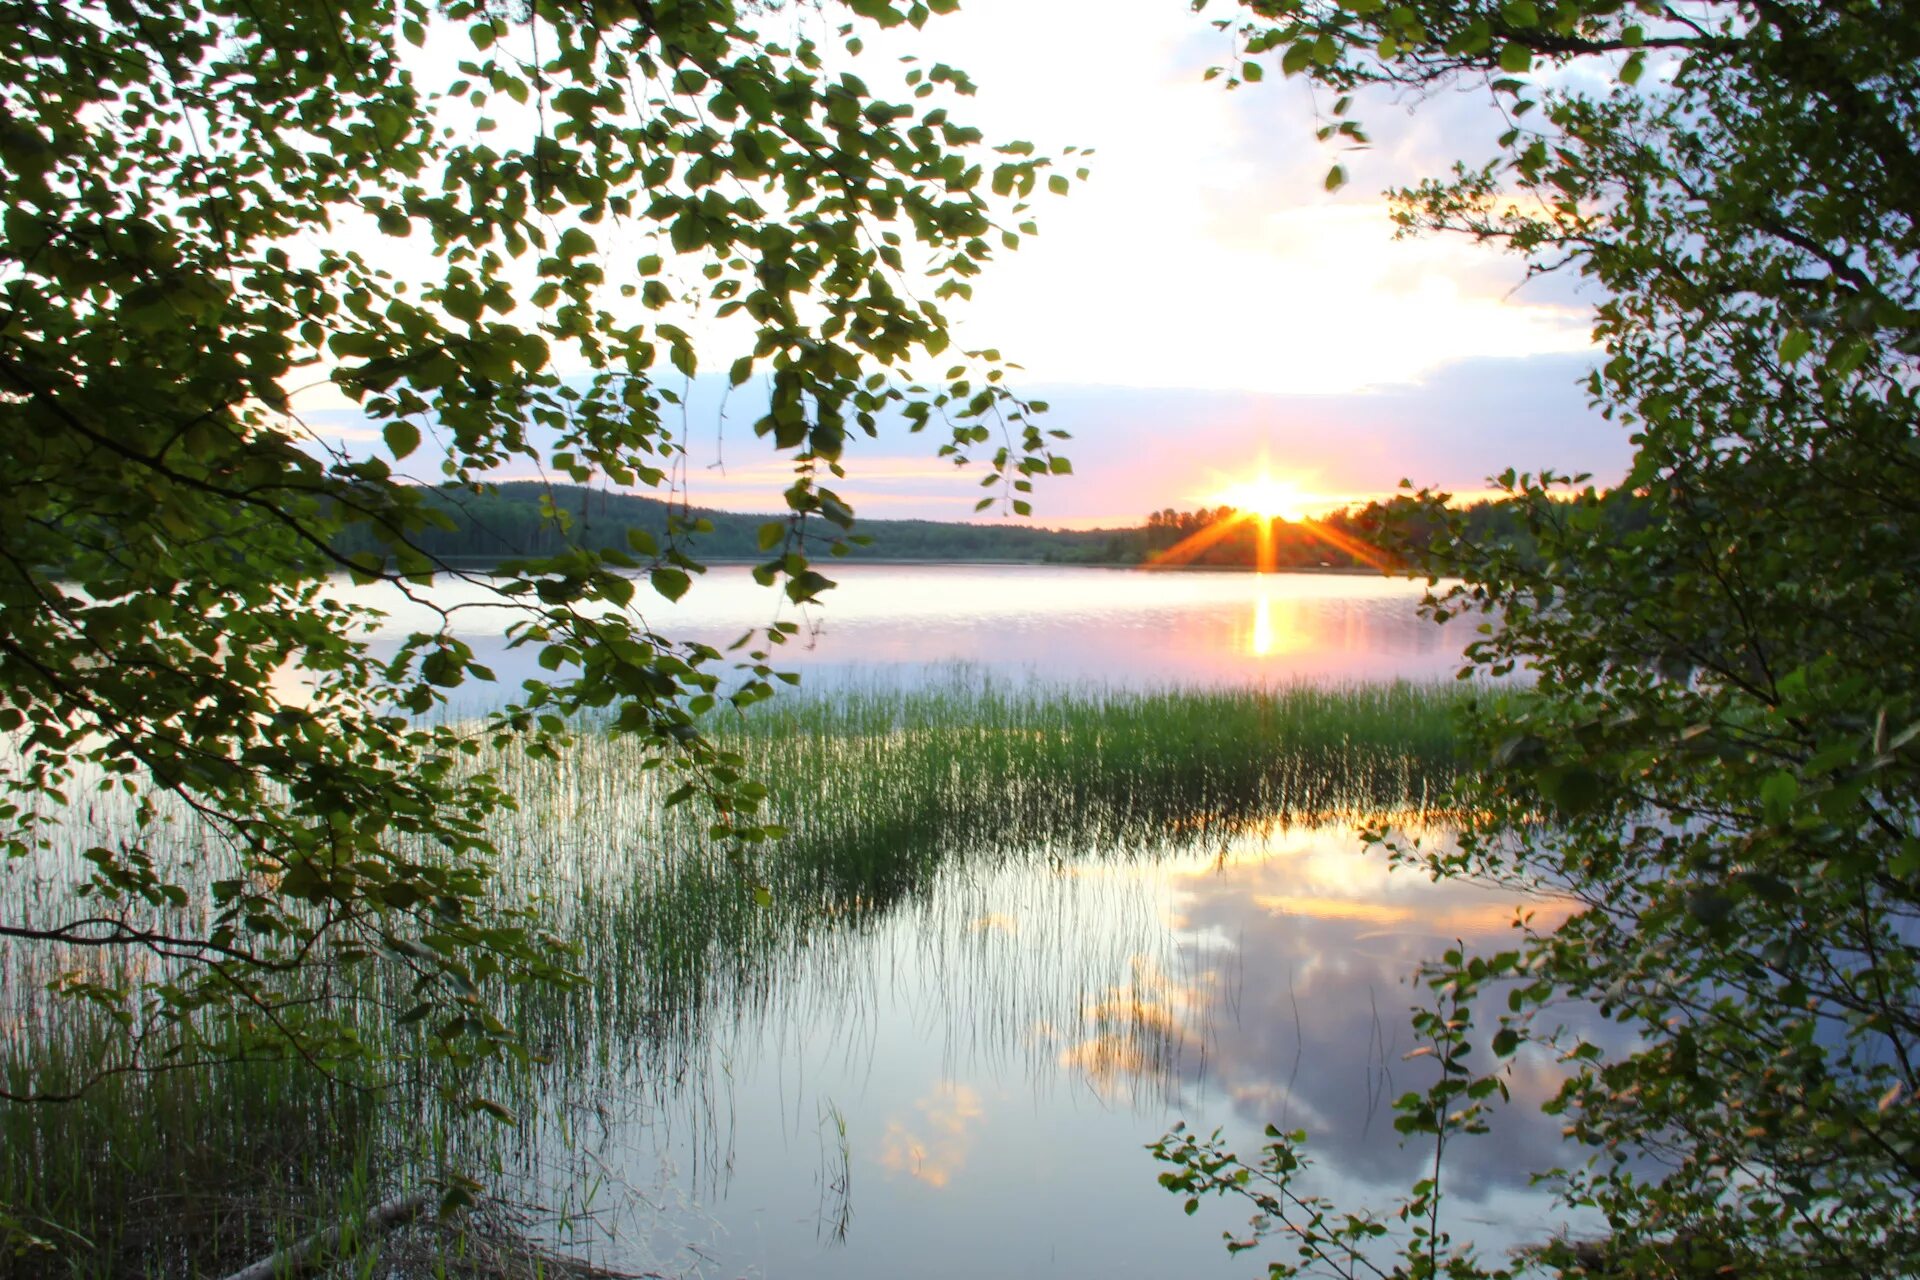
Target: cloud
1137, 449
1314, 1034
1285, 996
1132, 1035
1201, 301
934, 1147
1204, 249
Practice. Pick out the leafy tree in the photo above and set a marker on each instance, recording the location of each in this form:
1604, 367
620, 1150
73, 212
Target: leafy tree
478, 224
1718, 755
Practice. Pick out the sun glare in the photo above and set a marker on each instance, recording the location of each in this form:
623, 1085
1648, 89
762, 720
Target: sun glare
1269, 497
1264, 503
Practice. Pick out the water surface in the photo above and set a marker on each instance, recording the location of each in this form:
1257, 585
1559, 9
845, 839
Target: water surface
1006, 944
955, 1071
965, 1084
1048, 622
959, 1078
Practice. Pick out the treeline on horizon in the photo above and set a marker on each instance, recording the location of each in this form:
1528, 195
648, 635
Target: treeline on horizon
1390, 535
518, 519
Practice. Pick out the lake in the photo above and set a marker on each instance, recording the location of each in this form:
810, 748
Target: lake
964, 1084
1032, 622
960, 1079
1072, 855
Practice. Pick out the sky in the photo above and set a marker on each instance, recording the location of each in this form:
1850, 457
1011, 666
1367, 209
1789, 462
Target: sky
1201, 307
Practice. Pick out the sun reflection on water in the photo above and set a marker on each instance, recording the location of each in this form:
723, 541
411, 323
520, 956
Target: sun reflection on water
1262, 641
1282, 627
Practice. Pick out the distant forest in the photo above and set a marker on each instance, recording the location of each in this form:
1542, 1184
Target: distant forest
512, 521
1350, 538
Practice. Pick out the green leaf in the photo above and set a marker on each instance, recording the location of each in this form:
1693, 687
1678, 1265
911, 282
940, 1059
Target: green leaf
669, 582
1777, 796
402, 437
1574, 788
492, 1110
807, 585
443, 667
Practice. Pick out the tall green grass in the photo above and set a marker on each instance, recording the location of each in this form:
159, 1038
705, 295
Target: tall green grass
882, 792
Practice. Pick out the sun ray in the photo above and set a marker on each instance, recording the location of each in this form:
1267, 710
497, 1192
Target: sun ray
1340, 541
1183, 551
1263, 503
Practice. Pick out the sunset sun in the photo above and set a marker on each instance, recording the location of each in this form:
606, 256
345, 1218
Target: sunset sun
1268, 496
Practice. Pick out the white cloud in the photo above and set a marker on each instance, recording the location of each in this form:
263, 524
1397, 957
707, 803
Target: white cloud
1202, 300
1204, 250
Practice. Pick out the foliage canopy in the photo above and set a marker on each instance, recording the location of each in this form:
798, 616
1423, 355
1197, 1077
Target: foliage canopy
477, 225
1719, 756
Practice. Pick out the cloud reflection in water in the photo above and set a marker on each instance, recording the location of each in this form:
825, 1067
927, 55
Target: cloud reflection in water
1299, 949
933, 1148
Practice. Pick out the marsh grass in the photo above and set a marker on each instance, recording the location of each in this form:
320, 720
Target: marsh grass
885, 795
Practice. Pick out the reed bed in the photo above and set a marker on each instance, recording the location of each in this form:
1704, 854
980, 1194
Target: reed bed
883, 793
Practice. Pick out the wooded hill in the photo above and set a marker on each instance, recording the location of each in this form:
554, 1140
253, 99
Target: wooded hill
516, 520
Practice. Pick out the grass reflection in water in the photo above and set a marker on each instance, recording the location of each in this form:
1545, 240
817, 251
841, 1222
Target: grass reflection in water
932, 806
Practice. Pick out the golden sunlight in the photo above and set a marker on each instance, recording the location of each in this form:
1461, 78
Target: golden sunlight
1276, 629
1270, 497
1264, 501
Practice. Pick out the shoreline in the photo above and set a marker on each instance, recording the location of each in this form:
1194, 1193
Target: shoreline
471, 563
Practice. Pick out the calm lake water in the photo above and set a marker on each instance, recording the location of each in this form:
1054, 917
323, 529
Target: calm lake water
966, 1086
1052, 623
962, 1083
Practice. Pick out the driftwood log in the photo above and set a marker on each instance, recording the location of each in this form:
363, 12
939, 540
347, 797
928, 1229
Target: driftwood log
317, 1248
